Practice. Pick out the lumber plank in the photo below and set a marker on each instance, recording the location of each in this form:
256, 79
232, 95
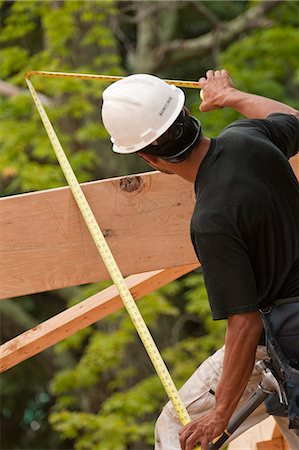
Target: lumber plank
45, 244
82, 315
277, 443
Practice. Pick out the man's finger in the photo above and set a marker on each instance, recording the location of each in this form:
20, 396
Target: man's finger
183, 438
190, 444
226, 73
203, 107
192, 441
201, 81
204, 444
210, 74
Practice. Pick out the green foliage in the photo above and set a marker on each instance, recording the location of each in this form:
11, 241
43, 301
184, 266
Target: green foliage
267, 62
98, 432
186, 355
264, 63
106, 393
27, 161
122, 419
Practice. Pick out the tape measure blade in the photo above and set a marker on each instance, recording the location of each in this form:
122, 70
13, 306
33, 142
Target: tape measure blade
111, 265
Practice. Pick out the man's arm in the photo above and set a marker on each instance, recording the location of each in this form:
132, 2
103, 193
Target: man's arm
218, 91
242, 336
241, 340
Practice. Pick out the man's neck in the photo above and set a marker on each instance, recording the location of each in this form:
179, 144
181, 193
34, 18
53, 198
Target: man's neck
188, 169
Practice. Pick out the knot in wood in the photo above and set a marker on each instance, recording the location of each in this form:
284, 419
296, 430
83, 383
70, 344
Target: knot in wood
131, 184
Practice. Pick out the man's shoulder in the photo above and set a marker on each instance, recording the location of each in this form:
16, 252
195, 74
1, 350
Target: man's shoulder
255, 123
274, 128
242, 130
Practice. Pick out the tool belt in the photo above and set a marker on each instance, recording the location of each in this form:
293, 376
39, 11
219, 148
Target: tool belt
281, 324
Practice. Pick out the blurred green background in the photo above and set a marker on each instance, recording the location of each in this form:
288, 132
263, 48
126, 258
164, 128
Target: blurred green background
97, 389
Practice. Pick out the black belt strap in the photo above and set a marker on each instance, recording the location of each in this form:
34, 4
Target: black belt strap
285, 301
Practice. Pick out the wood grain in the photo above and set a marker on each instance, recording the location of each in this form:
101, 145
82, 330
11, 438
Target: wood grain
277, 443
45, 244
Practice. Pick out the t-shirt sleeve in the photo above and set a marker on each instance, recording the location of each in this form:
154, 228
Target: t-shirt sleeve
228, 274
281, 129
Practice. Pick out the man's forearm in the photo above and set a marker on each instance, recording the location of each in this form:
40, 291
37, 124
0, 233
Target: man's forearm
218, 91
254, 106
241, 340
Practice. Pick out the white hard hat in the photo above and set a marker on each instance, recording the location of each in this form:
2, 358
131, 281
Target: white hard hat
138, 109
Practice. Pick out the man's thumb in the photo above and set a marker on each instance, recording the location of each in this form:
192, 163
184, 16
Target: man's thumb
203, 107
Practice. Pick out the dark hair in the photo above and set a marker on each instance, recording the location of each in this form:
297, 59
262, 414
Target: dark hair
177, 143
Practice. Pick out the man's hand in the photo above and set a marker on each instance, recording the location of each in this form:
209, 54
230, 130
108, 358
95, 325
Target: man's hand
215, 86
203, 430
218, 91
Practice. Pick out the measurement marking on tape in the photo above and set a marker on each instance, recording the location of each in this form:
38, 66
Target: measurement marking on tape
105, 251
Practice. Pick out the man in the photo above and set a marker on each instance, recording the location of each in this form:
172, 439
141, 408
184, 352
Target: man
244, 228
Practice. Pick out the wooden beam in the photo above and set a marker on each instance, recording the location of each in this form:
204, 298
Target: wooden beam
277, 443
45, 244
82, 315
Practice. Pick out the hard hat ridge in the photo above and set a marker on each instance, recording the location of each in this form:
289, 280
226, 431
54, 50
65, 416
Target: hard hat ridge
138, 109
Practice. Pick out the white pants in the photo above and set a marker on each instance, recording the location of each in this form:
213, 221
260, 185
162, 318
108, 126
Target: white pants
198, 400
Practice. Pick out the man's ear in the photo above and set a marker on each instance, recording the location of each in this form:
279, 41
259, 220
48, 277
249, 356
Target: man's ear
148, 157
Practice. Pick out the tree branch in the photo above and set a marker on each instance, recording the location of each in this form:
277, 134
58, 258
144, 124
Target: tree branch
183, 50
10, 90
207, 13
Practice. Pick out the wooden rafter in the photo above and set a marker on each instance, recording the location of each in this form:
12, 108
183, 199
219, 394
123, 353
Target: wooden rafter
82, 315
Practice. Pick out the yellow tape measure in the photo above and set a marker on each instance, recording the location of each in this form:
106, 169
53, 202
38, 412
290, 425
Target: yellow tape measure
111, 78
104, 249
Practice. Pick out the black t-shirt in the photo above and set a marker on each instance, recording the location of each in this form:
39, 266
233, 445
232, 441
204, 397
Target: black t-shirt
245, 224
